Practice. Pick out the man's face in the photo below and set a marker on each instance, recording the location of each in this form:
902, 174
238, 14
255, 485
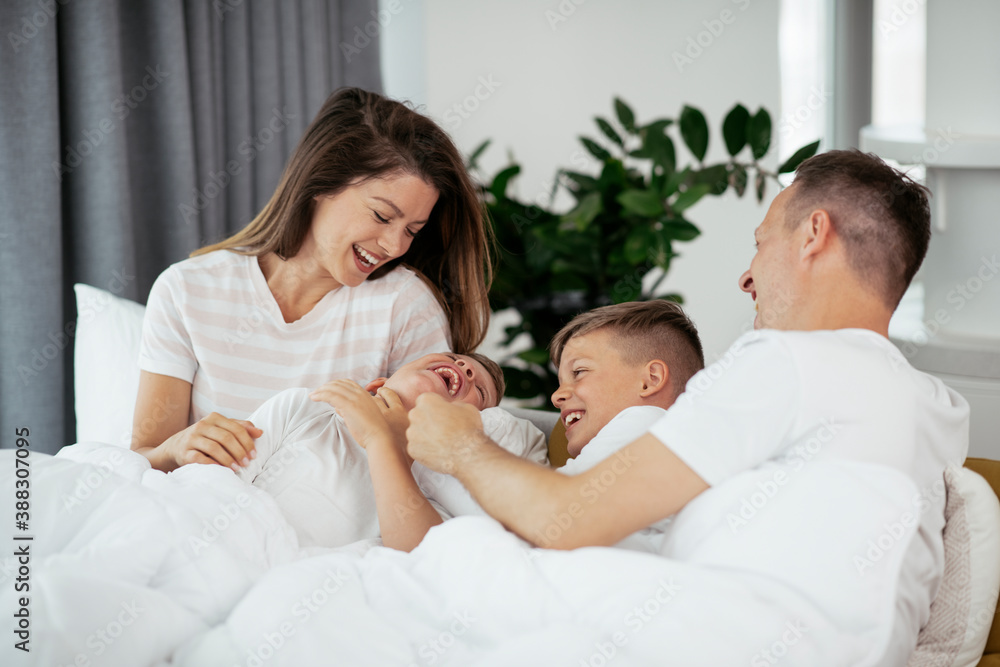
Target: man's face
455, 377
770, 280
595, 384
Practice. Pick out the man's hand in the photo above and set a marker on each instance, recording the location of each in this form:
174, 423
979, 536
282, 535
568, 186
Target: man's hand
370, 419
442, 434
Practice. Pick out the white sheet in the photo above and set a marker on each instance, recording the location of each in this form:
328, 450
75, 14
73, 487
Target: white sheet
128, 561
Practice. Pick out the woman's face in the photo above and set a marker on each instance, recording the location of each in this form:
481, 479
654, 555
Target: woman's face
367, 224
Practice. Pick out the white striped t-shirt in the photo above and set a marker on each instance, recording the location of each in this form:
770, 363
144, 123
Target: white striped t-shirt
212, 321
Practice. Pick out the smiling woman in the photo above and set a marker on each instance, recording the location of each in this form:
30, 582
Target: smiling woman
371, 253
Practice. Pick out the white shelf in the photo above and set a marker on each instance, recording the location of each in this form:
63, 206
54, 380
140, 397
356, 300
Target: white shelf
970, 366
942, 148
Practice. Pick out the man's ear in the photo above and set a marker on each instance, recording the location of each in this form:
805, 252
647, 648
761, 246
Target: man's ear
819, 233
375, 385
655, 378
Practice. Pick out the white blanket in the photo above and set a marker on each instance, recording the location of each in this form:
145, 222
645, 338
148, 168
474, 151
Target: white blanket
134, 567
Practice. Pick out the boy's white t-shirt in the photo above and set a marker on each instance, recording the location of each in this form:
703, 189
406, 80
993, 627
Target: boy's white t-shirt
627, 426
212, 321
847, 394
319, 476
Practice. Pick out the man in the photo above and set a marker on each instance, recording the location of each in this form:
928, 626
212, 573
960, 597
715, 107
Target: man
835, 253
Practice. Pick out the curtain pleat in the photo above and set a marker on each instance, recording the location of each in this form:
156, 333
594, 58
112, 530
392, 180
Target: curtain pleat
133, 132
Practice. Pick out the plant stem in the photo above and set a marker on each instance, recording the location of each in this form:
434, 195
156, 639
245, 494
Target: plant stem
652, 290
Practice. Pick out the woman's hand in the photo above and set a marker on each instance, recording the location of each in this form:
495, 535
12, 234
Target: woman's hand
160, 431
371, 419
214, 439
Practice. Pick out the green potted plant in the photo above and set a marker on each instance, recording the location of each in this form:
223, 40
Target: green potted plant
624, 224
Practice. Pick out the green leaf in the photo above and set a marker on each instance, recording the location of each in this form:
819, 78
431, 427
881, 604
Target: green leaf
565, 282
522, 383
694, 130
658, 180
535, 355
540, 257
476, 153
690, 196
660, 252
673, 296
595, 149
645, 203
625, 291
513, 332
609, 131
613, 177
800, 156
663, 254
761, 183
734, 129
638, 243
562, 266
588, 208
716, 177
625, 115
661, 148
583, 182
675, 181
656, 127
680, 230
500, 181
759, 133
738, 179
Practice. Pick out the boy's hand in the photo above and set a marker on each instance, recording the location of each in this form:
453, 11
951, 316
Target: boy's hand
442, 434
369, 418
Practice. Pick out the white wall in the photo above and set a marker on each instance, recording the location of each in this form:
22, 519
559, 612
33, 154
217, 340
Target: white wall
549, 77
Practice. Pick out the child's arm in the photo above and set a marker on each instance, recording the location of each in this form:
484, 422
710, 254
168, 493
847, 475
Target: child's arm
378, 423
274, 417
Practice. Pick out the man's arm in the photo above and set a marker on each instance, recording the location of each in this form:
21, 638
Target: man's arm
641, 484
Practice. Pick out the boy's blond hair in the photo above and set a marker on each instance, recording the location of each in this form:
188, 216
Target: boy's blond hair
643, 331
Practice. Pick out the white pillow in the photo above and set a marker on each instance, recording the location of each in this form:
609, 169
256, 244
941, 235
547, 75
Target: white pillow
962, 612
106, 366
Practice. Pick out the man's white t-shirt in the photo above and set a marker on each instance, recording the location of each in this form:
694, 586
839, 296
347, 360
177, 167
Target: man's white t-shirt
319, 476
825, 395
212, 321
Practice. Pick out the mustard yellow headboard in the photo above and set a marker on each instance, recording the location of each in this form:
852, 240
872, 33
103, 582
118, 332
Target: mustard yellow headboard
557, 446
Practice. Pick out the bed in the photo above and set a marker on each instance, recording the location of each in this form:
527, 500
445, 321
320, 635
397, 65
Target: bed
134, 567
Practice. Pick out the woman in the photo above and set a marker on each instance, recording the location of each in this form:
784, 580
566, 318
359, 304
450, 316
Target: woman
315, 287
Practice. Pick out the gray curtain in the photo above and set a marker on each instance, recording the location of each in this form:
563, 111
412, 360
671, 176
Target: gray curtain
131, 133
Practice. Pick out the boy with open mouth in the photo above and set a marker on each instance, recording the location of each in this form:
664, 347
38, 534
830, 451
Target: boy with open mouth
312, 456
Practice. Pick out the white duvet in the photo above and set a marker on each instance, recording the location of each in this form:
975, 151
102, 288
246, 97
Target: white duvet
131, 567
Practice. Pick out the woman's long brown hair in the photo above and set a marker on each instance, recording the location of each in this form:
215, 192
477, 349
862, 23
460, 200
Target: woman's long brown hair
359, 135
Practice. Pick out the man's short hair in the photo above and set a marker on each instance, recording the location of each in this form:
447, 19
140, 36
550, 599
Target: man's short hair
643, 331
881, 215
493, 368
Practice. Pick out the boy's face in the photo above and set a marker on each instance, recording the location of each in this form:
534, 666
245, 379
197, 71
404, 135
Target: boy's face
595, 384
455, 377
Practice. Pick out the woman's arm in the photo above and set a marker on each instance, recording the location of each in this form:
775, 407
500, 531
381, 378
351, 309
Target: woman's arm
161, 434
378, 423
